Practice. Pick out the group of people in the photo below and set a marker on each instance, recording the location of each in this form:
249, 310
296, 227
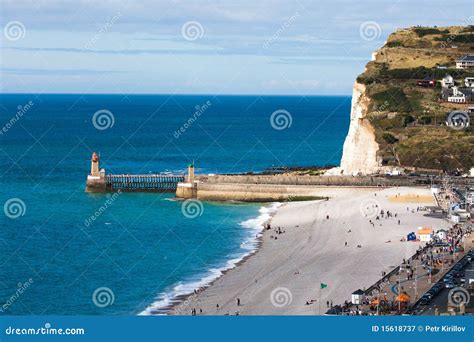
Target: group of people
278, 231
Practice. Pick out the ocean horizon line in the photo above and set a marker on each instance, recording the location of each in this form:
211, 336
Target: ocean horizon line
181, 94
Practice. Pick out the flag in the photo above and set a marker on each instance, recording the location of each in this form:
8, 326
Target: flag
323, 286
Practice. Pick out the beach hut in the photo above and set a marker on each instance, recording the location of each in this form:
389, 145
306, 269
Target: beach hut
357, 297
425, 234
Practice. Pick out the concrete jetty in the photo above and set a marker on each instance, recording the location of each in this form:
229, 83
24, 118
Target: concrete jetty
99, 181
252, 187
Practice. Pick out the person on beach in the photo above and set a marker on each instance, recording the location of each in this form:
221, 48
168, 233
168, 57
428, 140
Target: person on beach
345, 244
238, 301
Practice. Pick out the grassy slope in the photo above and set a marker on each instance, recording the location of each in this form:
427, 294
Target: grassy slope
409, 121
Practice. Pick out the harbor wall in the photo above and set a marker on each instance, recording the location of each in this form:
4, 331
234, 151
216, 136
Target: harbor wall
270, 192
285, 179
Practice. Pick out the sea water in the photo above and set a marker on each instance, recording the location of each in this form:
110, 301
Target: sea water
65, 251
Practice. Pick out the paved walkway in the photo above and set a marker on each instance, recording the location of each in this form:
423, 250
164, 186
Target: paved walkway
413, 277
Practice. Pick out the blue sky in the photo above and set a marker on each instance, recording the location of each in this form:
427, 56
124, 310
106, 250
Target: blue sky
219, 47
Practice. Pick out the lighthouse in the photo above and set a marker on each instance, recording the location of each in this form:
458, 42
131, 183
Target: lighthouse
188, 188
95, 165
190, 177
96, 181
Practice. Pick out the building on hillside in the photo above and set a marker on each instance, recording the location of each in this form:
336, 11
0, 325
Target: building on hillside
447, 81
469, 82
458, 95
465, 62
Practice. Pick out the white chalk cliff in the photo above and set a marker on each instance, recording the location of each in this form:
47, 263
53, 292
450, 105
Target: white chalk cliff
359, 155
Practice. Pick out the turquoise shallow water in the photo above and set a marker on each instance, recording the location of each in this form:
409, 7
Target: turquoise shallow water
141, 247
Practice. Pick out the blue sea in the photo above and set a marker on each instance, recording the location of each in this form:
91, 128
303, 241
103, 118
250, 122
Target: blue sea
140, 252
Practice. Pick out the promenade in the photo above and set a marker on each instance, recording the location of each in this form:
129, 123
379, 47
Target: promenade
400, 288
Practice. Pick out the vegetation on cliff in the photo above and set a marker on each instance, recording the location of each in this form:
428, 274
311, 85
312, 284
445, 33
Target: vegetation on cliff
409, 120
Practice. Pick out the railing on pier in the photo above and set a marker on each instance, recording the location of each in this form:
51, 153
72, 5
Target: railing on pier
152, 182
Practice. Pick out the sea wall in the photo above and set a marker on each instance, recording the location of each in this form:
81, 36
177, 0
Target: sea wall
267, 192
271, 188
305, 180
359, 154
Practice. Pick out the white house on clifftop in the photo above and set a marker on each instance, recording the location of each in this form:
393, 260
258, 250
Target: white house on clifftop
466, 62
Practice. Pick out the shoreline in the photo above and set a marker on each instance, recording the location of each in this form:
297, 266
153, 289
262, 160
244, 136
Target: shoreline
155, 308
295, 261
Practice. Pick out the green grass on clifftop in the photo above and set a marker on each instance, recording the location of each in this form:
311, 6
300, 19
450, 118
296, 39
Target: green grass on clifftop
409, 121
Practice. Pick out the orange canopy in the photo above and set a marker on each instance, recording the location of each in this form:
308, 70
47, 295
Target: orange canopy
425, 230
403, 297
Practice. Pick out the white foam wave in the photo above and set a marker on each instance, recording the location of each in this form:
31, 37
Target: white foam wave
169, 298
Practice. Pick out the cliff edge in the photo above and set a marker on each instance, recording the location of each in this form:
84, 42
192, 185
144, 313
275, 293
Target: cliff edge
400, 109
359, 154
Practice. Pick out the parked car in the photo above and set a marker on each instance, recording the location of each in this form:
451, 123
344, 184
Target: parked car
450, 285
447, 278
424, 301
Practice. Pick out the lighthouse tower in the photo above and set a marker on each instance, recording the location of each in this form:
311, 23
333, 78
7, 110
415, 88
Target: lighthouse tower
96, 181
95, 170
188, 188
190, 178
